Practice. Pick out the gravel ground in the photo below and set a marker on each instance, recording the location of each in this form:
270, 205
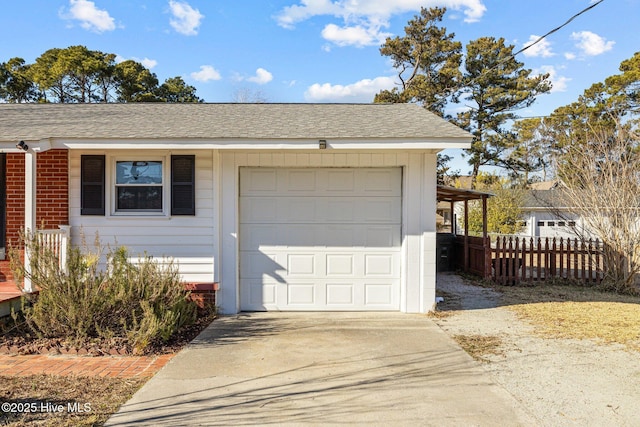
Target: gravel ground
562, 382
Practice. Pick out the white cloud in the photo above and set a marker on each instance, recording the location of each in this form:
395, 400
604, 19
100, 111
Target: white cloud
570, 56
591, 44
357, 35
363, 20
542, 48
262, 77
349, 9
186, 19
91, 18
206, 74
148, 63
361, 91
559, 83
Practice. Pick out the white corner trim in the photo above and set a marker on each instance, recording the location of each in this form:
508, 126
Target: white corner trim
30, 191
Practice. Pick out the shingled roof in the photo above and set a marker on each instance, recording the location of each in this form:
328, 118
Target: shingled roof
224, 121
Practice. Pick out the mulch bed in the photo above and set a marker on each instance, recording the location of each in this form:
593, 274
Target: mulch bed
19, 341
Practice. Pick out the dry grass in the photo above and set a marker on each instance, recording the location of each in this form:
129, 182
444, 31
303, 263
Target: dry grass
608, 322
437, 314
577, 312
104, 396
479, 346
558, 292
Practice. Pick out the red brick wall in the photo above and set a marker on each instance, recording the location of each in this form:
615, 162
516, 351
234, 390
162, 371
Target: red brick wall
15, 197
52, 200
52, 196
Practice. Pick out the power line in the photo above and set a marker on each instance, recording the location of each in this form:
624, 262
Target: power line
512, 56
558, 28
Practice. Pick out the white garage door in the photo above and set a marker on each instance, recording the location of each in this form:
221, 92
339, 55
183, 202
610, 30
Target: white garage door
320, 239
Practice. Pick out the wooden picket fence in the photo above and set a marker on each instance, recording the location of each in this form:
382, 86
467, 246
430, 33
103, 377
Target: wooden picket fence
527, 259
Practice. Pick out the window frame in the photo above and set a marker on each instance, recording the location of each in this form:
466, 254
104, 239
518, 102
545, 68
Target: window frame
106, 189
113, 186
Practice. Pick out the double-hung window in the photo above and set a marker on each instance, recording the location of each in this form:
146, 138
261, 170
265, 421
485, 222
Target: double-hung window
139, 186
160, 185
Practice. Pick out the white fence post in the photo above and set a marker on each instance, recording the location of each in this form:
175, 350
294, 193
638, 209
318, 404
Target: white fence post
57, 241
64, 245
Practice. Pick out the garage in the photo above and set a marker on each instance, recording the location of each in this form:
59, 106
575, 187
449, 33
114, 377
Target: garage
320, 238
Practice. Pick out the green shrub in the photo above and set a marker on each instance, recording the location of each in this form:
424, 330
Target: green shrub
143, 302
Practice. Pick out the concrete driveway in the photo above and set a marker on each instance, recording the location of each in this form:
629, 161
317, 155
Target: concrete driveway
322, 368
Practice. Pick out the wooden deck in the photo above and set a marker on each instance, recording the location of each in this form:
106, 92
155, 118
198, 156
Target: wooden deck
9, 297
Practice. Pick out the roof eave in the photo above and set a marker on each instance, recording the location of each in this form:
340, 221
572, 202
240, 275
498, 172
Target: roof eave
436, 144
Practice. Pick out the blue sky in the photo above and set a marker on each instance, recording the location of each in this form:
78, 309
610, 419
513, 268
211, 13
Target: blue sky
318, 50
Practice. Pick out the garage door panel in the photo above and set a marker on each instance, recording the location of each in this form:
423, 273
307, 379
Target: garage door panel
320, 182
257, 235
339, 210
320, 210
379, 265
380, 210
259, 210
301, 180
296, 209
380, 236
340, 265
341, 236
333, 243
301, 294
316, 295
340, 294
380, 294
259, 265
260, 181
383, 182
298, 235
301, 264
258, 294
282, 236
341, 181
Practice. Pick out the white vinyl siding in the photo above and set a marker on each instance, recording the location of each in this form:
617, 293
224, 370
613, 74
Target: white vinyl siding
190, 240
206, 245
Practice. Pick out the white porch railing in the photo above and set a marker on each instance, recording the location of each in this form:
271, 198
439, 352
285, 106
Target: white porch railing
57, 241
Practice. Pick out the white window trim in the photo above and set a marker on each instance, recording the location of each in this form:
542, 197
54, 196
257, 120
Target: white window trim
111, 186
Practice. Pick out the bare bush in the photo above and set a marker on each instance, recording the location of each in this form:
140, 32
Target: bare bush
602, 184
142, 302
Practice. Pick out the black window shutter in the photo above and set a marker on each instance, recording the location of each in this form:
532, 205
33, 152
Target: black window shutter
183, 185
92, 168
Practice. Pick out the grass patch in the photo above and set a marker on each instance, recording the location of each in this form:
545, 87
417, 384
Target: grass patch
103, 395
559, 292
438, 314
480, 346
565, 310
605, 321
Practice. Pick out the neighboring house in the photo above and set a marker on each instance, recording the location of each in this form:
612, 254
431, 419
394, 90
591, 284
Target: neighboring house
443, 217
286, 206
547, 213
